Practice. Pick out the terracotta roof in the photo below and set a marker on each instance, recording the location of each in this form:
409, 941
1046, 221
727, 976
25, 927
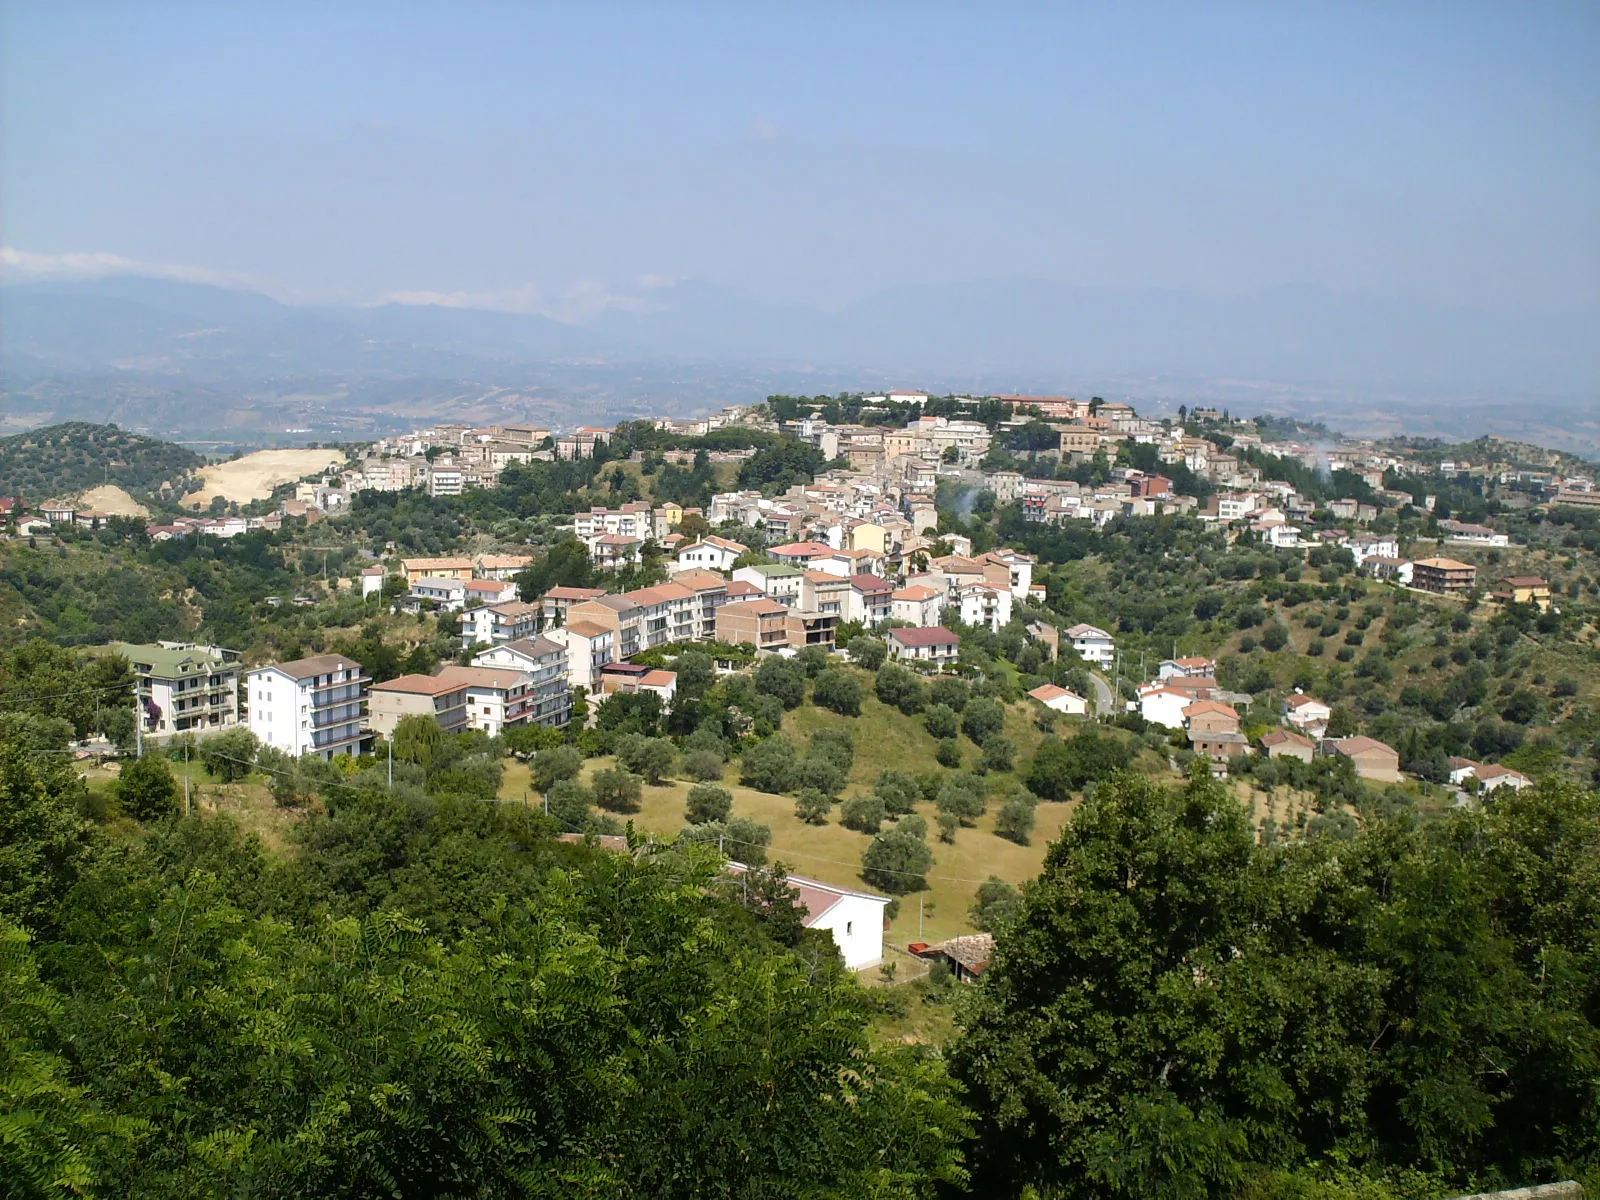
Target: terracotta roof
503, 678
1525, 581
321, 664
1361, 744
743, 587
698, 579
420, 685
586, 629
1200, 707
658, 678
1496, 771
1300, 701
1443, 564
534, 647
437, 564
1193, 683
801, 549
916, 592
933, 635
1284, 737
660, 594
870, 583
827, 577
574, 593
1046, 692
1087, 631
760, 607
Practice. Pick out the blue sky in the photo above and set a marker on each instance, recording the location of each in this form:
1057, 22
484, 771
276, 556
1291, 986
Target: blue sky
568, 158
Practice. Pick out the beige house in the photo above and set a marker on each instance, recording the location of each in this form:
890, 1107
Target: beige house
1059, 699
1283, 743
759, 623
417, 569
1372, 758
442, 698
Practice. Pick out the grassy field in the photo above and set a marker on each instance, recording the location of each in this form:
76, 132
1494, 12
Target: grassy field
885, 738
255, 475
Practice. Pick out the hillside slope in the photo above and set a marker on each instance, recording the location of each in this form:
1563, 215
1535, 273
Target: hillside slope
61, 460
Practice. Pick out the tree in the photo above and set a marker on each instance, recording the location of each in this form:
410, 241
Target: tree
999, 753
839, 691
570, 803
651, 758
867, 652
617, 790
864, 814
836, 746
783, 678
983, 719
696, 671
822, 773
41, 835
1060, 768
962, 797
950, 691
997, 903
708, 802
1014, 821
770, 766
551, 766
231, 755
941, 721
813, 660
900, 689
899, 792
146, 788
703, 765
947, 752
740, 838
812, 805
898, 860
1343, 722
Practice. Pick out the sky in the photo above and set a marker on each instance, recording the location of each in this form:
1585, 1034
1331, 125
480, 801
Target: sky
568, 159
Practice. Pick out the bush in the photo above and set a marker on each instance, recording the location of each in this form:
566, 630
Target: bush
868, 652
941, 721
864, 814
704, 765
617, 790
1060, 768
1316, 647
549, 767
948, 824
1000, 752
898, 791
983, 719
708, 802
838, 691
948, 753
812, 806
900, 689
146, 789
1014, 821
230, 756
1275, 636
813, 660
898, 860
783, 679
997, 902
950, 691
770, 766
741, 839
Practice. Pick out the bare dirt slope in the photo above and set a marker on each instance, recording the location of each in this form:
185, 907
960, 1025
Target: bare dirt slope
255, 475
109, 498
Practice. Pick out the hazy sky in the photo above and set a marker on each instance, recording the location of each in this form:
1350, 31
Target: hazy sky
566, 157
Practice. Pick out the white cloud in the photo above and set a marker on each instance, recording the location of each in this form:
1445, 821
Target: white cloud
98, 264
576, 302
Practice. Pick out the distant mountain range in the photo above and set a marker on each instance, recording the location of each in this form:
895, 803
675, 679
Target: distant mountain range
130, 341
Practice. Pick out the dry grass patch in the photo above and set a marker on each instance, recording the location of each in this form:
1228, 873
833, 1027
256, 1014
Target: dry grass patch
255, 475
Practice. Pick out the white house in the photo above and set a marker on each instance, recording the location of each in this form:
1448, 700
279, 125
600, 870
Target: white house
311, 705
589, 648
936, 645
854, 918
918, 604
372, 581
1059, 699
1375, 546
1493, 775
710, 552
497, 698
1093, 645
1307, 713
1162, 705
980, 604
1187, 668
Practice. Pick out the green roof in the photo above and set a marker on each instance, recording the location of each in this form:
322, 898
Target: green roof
770, 569
168, 663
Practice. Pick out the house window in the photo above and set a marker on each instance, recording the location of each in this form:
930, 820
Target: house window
849, 928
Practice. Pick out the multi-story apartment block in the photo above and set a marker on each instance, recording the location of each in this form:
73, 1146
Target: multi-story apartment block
871, 600
309, 706
822, 592
589, 649
760, 623
497, 698
433, 696
544, 660
184, 687
711, 591
504, 622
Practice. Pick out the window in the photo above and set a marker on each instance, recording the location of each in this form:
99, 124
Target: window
849, 928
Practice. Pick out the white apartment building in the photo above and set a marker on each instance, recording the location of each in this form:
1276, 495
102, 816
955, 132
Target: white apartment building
980, 604
505, 622
711, 552
497, 698
589, 649
1093, 645
545, 662
309, 706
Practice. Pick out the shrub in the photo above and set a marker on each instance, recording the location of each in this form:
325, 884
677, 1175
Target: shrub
838, 691
617, 790
704, 765
948, 753
961, 796
948, 824
708, 802
983, 719
813, 660
1060, 768
231, 756
822, 774
740, 839
864, 814
997, 902
1315, 647
569, 802
941, 721
833, 745
770, 766
146, 789
812, 806
650, 758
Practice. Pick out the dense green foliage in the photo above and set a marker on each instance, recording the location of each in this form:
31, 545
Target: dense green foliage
62, 460
1177, 1009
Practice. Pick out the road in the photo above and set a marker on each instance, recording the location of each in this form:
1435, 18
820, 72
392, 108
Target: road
1103, 698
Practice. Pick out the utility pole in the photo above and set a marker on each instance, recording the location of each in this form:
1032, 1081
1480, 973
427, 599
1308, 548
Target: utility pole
138, 725
391, 764
919, 918
186, 780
